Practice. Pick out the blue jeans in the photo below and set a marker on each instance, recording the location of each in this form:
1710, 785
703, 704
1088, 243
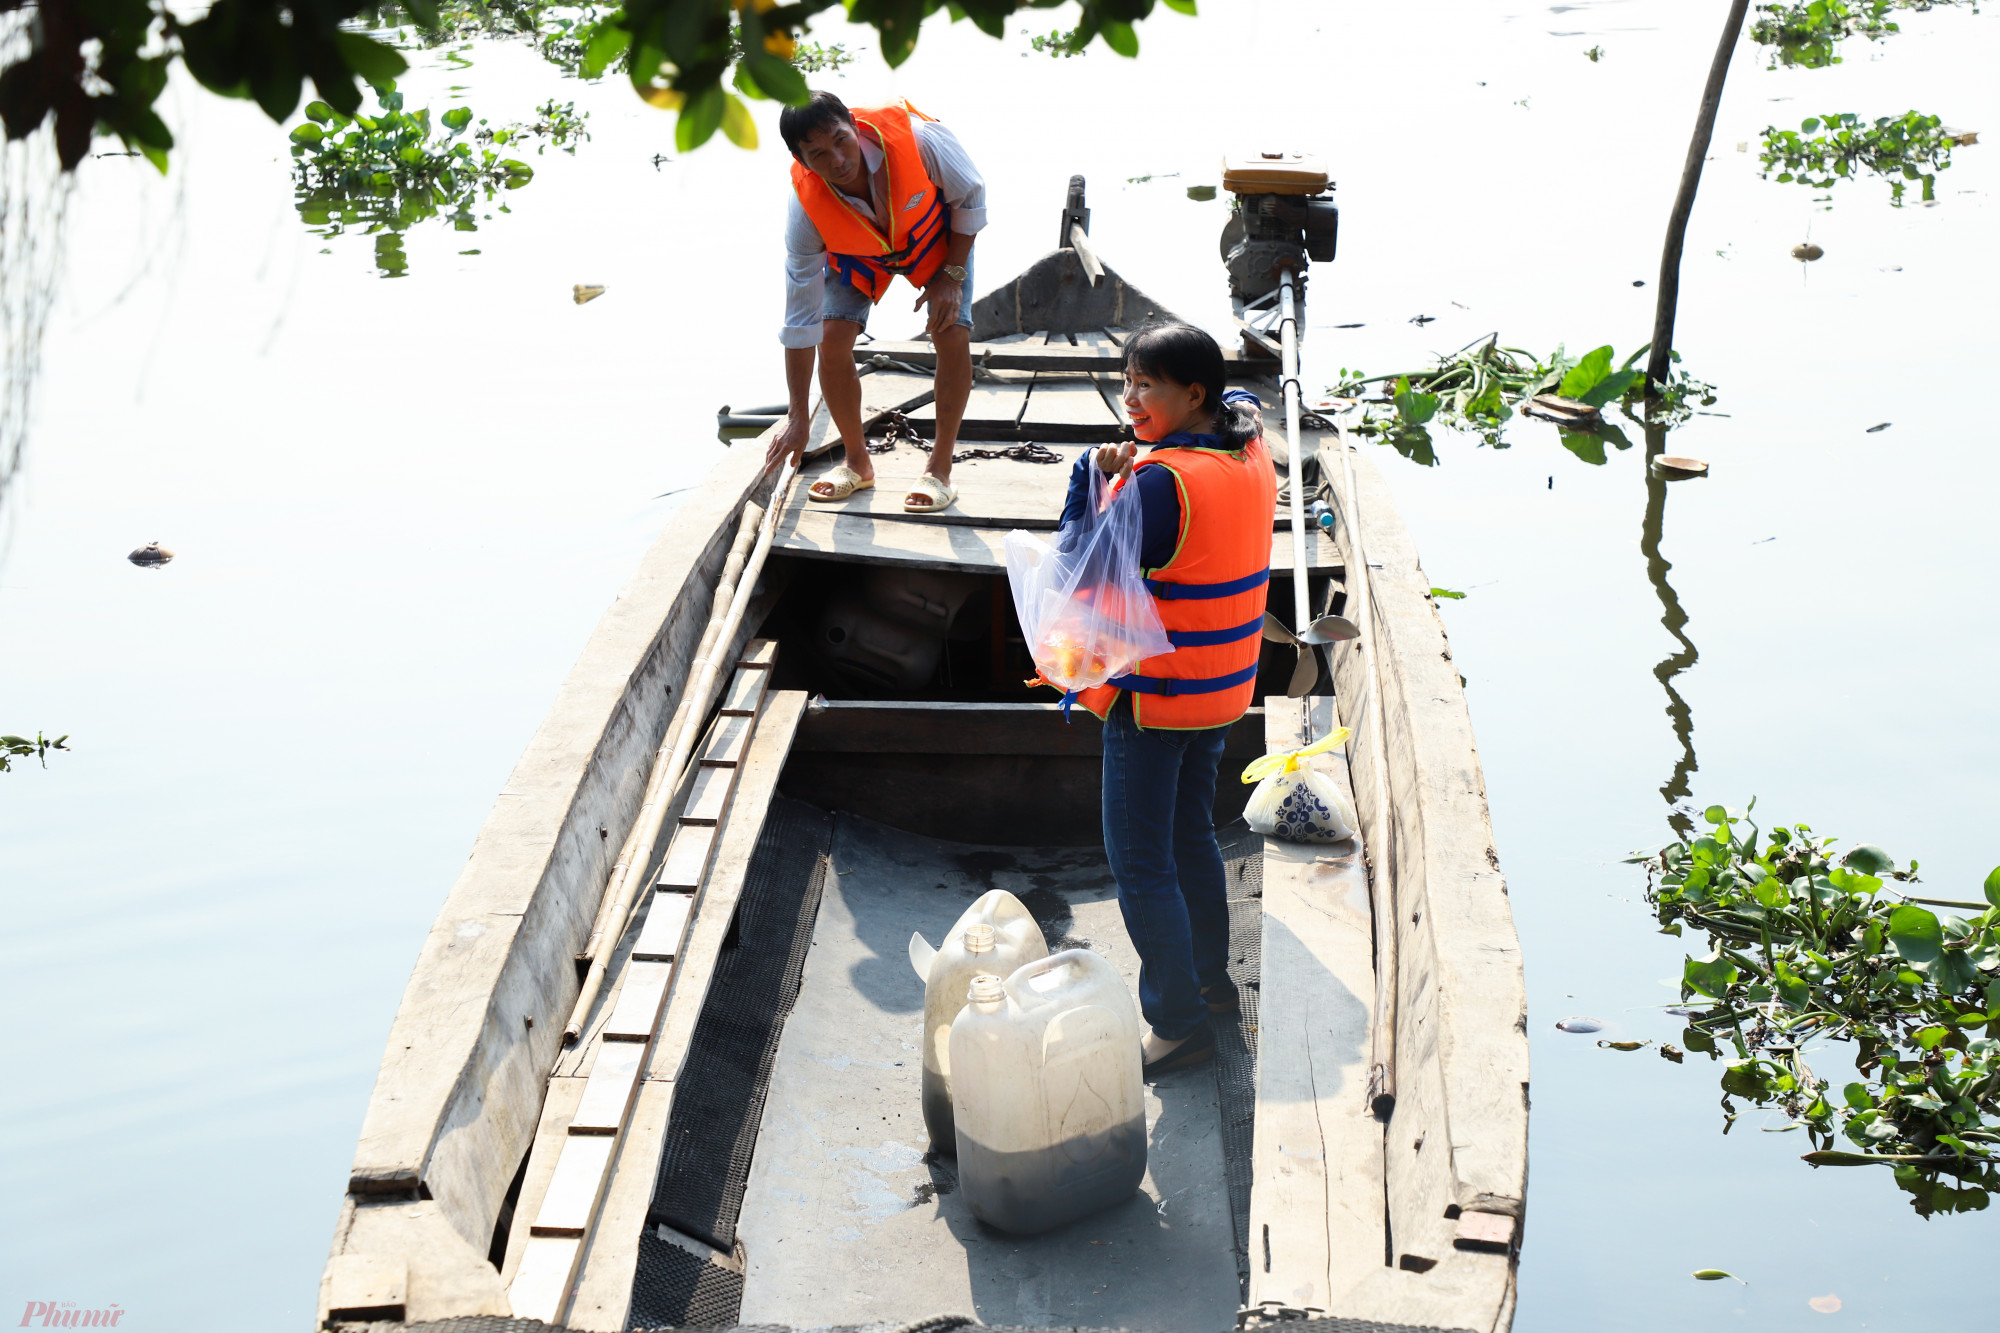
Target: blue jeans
1159, 833
852, 304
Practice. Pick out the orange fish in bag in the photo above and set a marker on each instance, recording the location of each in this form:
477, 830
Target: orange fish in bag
1082, 602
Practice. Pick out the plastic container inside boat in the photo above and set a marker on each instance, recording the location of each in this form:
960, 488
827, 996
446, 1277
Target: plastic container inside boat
1050, 1110
996, 934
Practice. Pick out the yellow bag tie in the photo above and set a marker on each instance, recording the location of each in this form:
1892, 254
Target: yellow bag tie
1287, 761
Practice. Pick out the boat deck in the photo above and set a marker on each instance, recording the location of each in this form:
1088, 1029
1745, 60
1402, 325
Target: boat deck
847, 1221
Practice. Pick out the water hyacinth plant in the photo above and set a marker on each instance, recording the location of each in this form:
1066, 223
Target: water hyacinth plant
384, 173
1826, 149
1805, 946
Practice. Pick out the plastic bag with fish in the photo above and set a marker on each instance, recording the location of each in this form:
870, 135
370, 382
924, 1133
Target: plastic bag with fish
1295, 800
1083, 604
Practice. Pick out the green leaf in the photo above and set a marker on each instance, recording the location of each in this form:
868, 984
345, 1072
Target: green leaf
1928, 1038
155, 154
457, 118
737, 123
374, 62
1915, 933
700, 118
1588, 447
308, 134
1856, 1096
777, 78
1586, 374
607, 41
1120, 37
1992, 887
1715, 1275
1716, 814
1611, 387
1712, 977
1180, 6
1447, 592
320, 112
1869, 859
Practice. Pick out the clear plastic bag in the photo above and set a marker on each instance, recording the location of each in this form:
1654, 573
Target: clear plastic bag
1083, 603
1296, 801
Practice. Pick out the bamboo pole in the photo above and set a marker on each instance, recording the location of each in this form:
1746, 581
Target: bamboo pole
705, 679
1659, 364
1381, 856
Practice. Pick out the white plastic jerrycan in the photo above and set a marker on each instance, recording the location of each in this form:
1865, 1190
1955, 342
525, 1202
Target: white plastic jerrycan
1050, 1111
997, 934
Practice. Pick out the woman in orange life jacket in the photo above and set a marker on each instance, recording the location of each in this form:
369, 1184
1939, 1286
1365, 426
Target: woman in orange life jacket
1206, 491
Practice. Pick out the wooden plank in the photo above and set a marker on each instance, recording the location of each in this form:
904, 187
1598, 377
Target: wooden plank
1322, 556
746, 689
1110, 384
661, 937
541, 1285
992, 492
922, 727
994, 403
861, 538
1027, 356
498, 951
1064, 399
573, 1190
1316, 1204
687, 856
365, 1287
641, 990
885, 391
709, 794
607, 1093
558, 1108
604, 1284
726, 739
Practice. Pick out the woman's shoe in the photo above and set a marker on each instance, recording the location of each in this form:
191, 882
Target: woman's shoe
1192, 1049
1222, 997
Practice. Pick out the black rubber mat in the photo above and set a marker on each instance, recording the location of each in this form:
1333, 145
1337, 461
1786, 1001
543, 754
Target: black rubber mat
697, 1293
719, 1098
1236, 1036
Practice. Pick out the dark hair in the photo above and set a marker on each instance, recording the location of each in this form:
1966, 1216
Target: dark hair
1186, 355
821, 111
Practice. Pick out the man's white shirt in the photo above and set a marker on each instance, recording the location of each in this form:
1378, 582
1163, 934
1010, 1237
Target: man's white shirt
950, 169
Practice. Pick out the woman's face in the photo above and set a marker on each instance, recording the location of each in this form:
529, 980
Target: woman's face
1158, 407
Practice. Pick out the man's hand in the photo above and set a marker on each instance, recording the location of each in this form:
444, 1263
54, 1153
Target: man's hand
943, 296
790, 439
1117, 459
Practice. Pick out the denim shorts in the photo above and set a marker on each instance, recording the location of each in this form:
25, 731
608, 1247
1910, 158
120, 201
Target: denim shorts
850, 303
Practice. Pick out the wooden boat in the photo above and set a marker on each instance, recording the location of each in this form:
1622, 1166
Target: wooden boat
734, 1137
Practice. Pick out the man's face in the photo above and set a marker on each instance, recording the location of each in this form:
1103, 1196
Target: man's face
834, 155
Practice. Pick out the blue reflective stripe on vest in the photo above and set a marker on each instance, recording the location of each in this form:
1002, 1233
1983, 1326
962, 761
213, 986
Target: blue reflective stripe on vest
1202, 592
1169, 686
1208, 638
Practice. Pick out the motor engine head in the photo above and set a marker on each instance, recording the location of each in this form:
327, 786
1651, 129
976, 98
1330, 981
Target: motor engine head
1284, 218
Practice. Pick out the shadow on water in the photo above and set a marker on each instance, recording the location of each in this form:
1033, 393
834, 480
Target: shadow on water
1678, 786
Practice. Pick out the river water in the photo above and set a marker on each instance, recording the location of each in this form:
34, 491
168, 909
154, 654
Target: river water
400, 505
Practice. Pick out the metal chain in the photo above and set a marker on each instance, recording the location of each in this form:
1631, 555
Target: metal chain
897, 427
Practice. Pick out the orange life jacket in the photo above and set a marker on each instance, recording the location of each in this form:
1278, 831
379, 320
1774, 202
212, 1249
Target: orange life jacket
1210, 596
857, 252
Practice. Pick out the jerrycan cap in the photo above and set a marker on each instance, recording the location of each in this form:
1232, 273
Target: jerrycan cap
979, 938
986, 990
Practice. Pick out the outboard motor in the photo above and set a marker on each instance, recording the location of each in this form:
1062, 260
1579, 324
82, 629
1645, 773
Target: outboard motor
1283, 217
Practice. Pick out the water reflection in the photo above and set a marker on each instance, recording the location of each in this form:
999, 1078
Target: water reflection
1678, 785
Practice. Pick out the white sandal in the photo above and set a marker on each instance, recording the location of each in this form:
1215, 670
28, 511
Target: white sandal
844, 480
941, 495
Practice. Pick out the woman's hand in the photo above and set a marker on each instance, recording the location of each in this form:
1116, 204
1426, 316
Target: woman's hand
1117, 459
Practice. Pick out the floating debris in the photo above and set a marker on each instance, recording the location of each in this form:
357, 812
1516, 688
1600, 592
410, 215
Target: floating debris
1563, 411
1201, 194
1669, 1051
1421, 320
1825, 1304
1578, 1024
1715, 1275
1638, 282
1623, 1045
1677, 466
1878, 426
1805, 252
586, 291
150, 556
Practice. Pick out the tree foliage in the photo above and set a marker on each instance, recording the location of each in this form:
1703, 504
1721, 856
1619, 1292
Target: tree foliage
98, 66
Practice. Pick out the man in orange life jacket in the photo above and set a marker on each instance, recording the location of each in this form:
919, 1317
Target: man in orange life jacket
1206, 491
876, 192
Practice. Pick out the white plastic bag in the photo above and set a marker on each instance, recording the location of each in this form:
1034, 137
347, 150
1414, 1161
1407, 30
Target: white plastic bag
1083, 603
1296, 801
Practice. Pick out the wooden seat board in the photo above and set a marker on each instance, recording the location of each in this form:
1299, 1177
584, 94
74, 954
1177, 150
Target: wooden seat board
639, 998
1317, 1201
607, 1093
687, 856
665, 929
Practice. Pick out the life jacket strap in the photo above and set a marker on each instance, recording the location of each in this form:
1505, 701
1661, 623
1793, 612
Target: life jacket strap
1167, 685
1202, 592
1208, 638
